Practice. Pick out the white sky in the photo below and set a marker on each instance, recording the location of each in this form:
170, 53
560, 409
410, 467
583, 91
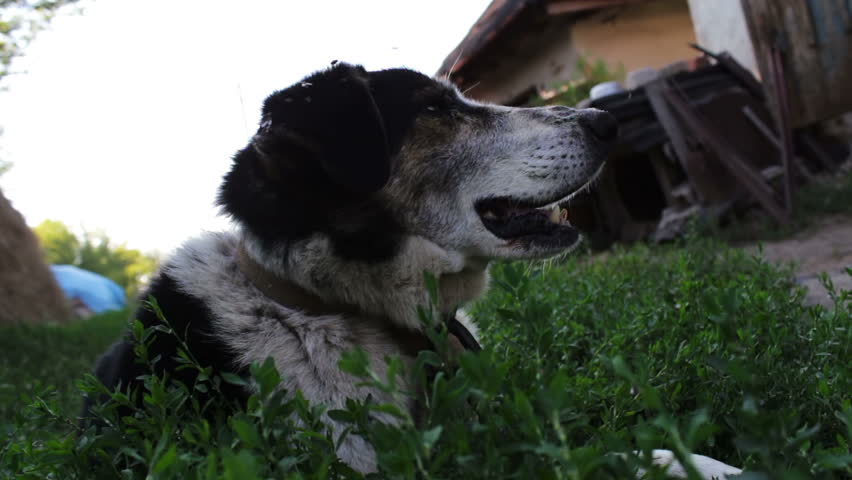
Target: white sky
127, 116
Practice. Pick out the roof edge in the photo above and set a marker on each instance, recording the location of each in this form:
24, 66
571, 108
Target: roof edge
499, 15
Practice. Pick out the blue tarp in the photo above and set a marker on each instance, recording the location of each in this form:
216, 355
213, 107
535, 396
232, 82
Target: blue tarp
98, 292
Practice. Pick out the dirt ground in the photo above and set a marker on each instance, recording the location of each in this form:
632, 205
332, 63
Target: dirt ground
824, 247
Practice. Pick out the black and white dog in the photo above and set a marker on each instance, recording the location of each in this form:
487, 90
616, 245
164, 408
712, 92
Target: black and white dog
356, 183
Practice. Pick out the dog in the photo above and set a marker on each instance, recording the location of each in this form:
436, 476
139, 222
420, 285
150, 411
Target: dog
354, 185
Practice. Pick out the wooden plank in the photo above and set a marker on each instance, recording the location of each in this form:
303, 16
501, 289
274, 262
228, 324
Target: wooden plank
661, 170
748, 176
693, 163
767, 20
654, 92
770, 135
559, 7
744, 76
733, 67
608, 198
778, 75
816, 39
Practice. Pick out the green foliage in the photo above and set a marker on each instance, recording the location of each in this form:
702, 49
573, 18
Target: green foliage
5, 165
704, 335
35, 357
813, 202
126, 266
586, 75
827, 198
20, 20
693, 349
95, 252
58, 242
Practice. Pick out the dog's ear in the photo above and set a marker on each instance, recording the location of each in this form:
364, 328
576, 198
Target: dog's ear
329, 118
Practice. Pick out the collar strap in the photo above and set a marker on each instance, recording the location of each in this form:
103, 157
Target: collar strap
285, 292
290, 295
456, 329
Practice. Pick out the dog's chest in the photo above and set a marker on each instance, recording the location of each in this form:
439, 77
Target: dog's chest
306, 349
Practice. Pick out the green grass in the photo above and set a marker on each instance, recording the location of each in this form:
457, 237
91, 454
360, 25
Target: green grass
693, 347
813, 202
33, 357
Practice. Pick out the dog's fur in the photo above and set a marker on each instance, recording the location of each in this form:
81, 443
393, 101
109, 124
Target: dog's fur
356, 183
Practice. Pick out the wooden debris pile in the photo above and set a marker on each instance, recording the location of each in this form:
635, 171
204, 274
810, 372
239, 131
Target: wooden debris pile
699, 141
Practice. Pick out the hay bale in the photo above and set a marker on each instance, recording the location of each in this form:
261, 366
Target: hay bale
28, 291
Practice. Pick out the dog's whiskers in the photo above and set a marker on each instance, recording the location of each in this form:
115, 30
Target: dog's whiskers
453, 67
470, 88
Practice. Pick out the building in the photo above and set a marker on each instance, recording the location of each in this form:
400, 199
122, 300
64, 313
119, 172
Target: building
519, 46
525, 52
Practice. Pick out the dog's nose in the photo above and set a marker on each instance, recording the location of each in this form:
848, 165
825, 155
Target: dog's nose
600, 124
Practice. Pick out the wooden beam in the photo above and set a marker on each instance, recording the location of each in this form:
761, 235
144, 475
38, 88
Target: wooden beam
560, 7
729, 156
691, 161
817, 44
661, 170
654, 91
777, 71
770, 136
733, 67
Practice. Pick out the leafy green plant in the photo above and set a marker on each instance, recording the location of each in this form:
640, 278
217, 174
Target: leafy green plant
813, 202
587, 366
832, 197
95, 252
20, 21
38, 357
586, 75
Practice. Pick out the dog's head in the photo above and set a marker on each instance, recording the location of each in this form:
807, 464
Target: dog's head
368, 158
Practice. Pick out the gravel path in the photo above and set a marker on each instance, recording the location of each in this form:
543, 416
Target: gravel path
824, 247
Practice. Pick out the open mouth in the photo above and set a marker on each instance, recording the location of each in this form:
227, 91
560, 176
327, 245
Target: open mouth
520, 221
543, 224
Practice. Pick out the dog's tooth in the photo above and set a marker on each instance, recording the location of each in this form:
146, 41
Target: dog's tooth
563, 217
555, 215
489, 215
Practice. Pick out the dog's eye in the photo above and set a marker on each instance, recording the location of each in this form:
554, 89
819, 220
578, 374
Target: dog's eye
442, 108
442, 103
439, 104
